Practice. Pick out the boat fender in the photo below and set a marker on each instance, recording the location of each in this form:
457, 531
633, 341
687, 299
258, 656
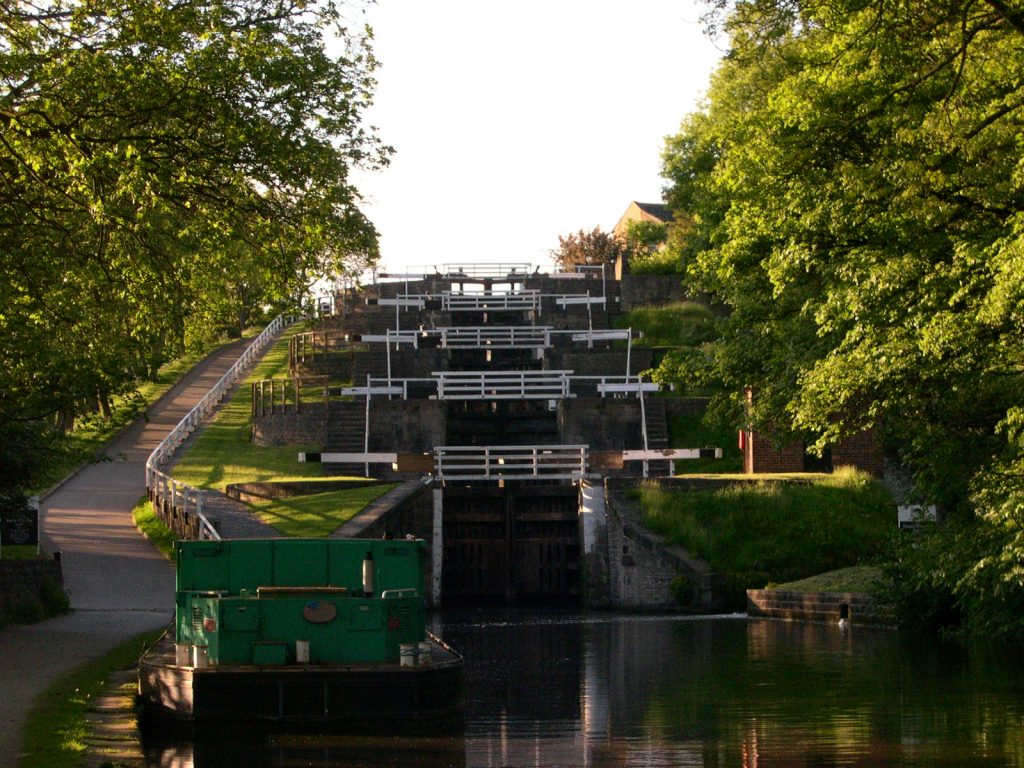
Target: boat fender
368, 574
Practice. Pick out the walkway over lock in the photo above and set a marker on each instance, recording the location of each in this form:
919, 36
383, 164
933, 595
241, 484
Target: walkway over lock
518, 301
501, 385
491, 337
510, 462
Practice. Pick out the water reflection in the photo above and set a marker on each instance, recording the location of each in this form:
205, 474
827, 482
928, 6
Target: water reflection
550, 689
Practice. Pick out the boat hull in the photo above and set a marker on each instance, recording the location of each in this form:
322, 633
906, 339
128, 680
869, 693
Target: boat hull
379, 696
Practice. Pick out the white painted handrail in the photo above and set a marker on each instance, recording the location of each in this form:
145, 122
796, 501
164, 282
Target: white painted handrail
162, 486
510, 462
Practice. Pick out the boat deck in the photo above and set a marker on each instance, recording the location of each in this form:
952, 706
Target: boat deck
303, 694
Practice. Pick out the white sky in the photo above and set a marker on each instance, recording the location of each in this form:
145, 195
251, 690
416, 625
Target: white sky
514, 123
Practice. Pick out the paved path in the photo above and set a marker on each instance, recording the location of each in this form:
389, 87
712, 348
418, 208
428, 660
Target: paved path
119, 584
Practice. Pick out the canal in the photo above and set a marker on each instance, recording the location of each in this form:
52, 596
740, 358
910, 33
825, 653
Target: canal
550, 688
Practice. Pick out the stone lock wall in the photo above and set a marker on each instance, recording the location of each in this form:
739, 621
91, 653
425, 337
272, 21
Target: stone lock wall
642, 566
307, 427
855, 607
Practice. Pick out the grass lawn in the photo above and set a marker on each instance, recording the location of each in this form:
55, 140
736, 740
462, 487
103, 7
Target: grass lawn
858, 578
153, 528
56, 727
224, 453
319, 514
19, 552
684, 324
756, 533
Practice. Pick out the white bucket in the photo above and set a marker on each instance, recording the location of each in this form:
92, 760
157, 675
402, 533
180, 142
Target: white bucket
302, 651
200, 656
425, 655
407, 654
181, 654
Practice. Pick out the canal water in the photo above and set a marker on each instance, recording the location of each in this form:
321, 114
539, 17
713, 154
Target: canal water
550, 688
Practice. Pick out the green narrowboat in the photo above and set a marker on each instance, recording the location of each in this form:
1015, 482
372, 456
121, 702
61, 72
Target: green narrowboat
301, 632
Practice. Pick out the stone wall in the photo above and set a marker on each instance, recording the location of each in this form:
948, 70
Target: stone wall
863, 451
599, 363
407, 426
395, 425
642, 567
651, 290
24, 585
856, 607
605, 424
307, 427
761, 455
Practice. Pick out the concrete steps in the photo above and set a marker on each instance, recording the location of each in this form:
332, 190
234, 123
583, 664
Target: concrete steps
657, 433
346, 433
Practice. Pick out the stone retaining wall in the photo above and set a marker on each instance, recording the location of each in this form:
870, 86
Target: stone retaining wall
307, 427
642, 566
856, 607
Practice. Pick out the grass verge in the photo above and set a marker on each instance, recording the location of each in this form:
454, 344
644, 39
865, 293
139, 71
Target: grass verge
758, 533
56, 727
153, 528
318, 514
859, 578
223, 453
684, 324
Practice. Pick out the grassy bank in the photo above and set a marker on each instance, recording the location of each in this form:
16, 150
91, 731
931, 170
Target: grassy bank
868, 579
153, 528
224, 453
683, 324
318, 514
754, 534
56, 725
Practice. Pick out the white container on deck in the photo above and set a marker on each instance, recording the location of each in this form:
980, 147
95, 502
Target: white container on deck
407, 653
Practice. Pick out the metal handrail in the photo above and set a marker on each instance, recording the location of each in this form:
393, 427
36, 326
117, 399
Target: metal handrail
510, 462
159, 483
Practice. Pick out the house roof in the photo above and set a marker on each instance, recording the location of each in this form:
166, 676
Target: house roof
659, 211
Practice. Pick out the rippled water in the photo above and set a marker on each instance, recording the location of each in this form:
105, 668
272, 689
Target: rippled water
556, 689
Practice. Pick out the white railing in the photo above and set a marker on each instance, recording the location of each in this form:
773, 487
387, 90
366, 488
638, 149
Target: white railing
563, 300
500, 337
510, 462
490, 302
407, 300
502, 385
517, 271
162, 488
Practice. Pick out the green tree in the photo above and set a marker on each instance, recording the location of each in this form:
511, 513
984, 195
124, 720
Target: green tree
587, 248
158, 161
855, 191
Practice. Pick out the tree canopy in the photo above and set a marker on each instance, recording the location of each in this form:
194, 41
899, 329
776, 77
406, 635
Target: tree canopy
591, 248
166, 169
854, 187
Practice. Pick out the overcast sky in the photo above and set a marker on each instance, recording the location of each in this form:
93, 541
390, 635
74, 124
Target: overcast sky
514, 123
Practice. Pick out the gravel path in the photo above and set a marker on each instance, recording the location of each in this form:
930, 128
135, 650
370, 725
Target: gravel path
119, 584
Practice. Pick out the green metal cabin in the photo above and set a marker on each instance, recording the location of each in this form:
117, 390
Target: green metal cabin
262, 601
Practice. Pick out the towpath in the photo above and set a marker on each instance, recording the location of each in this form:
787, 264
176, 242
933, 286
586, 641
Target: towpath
120, 586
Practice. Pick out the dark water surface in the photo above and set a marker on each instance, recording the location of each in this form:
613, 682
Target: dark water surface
558, 689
